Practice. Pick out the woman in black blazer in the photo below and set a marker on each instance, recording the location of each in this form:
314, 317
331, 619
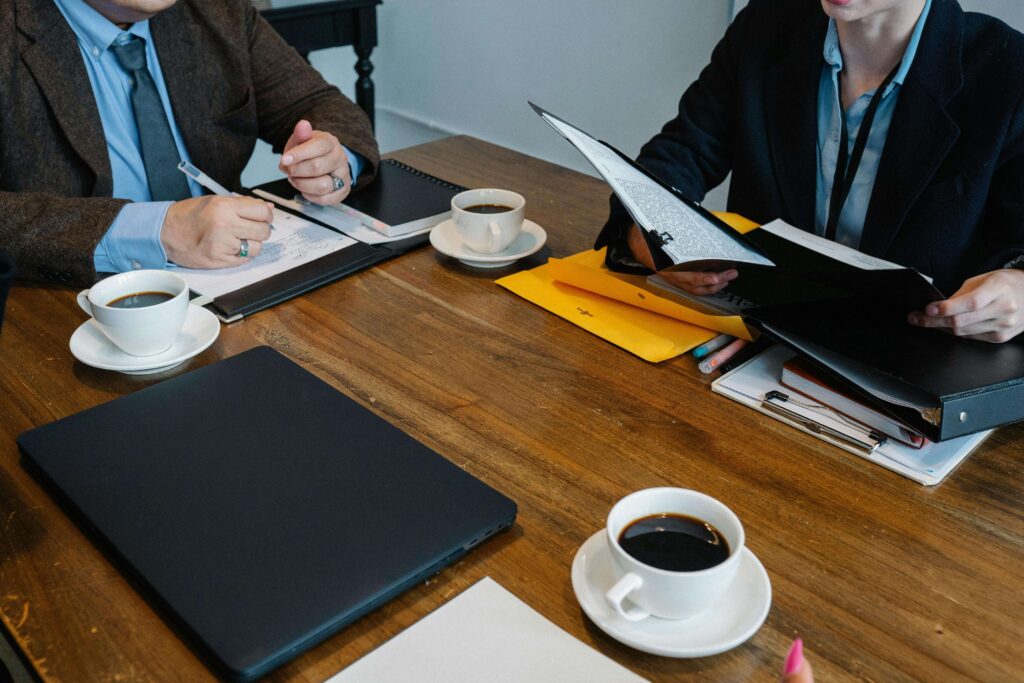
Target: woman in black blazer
944, 188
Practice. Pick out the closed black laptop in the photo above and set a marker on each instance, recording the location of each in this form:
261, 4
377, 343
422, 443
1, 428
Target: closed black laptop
261, 509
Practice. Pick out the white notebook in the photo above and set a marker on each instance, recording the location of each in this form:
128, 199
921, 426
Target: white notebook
485, 634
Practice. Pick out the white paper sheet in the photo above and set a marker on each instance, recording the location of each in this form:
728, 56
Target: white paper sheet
294, 241
835, 250
687, 235
485, 634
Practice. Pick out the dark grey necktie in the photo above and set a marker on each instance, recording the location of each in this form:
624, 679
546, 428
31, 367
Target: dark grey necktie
159, 153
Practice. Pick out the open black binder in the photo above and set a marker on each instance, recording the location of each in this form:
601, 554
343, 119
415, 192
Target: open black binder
960, 386
796, 268
851, 323
334, 266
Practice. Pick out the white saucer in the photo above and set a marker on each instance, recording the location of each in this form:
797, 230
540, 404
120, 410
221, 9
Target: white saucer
91, 346
445, 238
727, 625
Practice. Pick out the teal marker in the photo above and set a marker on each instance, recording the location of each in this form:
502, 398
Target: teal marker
712, 346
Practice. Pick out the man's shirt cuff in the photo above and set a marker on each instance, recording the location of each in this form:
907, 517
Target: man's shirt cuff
133, 240
355, 164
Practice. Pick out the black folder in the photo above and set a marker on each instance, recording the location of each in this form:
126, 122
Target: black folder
960, 386
389, 198
258, 508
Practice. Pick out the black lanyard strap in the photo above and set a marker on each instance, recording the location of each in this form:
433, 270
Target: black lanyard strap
847, 165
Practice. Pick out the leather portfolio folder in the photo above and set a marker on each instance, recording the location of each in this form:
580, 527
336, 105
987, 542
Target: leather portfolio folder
330, 267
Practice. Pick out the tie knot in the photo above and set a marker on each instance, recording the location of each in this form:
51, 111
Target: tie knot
131, 53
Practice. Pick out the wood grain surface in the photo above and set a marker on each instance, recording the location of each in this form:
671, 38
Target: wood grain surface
884, 579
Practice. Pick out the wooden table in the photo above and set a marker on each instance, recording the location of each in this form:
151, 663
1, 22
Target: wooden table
884, 579
309, 25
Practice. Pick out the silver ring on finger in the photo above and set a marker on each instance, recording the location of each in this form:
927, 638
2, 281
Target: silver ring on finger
244, 250
339, 183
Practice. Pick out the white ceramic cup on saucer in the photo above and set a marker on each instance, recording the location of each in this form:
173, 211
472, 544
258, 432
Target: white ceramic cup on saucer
144, 330
488, 220
641, 590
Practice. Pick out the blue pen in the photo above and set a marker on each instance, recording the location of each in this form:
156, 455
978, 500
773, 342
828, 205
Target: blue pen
712, 345
207, 182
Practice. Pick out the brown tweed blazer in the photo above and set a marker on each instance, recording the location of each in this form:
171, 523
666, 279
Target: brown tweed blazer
231, 80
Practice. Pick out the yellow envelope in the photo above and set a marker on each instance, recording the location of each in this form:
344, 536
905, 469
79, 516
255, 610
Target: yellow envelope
586, 270
652, 336
620, 308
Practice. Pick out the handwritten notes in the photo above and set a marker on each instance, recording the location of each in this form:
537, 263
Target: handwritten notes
294, 242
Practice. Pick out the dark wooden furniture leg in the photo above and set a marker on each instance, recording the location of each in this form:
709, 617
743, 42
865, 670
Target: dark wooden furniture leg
364, 84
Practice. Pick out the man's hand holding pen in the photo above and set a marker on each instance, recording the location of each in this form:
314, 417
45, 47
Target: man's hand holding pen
215, 231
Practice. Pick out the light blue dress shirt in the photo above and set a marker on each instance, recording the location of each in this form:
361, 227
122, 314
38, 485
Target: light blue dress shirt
133, 240
851, 218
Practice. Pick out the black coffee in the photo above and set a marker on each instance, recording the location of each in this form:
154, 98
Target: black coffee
140, 299
677, 543
488, 208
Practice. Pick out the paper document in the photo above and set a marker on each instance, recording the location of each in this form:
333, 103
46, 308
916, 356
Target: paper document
686, 235
485, 634
294, 242
346, 223
825, 247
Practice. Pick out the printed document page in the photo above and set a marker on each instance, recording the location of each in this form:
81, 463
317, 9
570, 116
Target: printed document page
826, 247
294, 241
485, 634
687, 236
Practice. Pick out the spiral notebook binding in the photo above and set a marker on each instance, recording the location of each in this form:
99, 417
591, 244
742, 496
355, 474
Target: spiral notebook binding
426, 176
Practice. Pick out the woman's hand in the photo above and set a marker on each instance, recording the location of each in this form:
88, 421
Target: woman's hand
797, 669
988, 307
694, 282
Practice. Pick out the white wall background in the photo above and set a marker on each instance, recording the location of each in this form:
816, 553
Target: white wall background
614, 68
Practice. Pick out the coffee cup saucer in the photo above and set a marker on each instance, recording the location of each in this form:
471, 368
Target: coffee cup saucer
446, 239
89, 345
730, 623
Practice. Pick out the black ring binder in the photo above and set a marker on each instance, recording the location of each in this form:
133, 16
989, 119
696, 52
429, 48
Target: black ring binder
416, 172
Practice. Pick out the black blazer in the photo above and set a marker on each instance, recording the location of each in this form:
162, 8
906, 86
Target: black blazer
949, 195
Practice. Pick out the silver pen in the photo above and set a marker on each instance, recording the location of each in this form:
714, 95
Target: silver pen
207, 182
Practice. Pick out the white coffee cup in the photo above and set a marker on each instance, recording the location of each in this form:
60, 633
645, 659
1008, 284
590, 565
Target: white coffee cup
143, 331
660, 592
488, 233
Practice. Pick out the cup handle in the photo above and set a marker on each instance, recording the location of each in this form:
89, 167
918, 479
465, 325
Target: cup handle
495, 236
83, 302
618, 593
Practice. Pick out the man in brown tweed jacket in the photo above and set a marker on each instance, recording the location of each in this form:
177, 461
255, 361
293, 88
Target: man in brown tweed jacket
229, 79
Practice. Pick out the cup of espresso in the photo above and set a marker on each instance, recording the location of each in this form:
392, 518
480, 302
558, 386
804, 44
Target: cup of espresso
488, 220
674, 553
140, 311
